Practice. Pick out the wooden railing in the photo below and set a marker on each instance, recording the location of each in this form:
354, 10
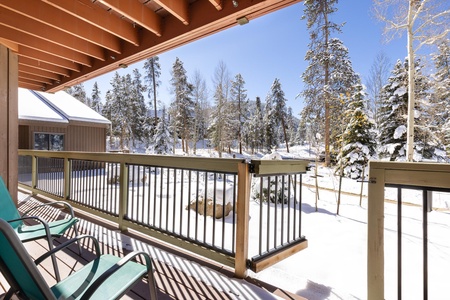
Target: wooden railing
167, 197
426, 177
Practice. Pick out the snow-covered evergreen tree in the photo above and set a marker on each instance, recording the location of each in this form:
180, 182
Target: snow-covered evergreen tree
162, 136
270, 125
393, 117
200, 97
152, 70
140, 124
221, 128
317, 94
96, 101
441, 88
358, 140
78, 91
182, 108
239, 104
255, 128
118, 110
280, 111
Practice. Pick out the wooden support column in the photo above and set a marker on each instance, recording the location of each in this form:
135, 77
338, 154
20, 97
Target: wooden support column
242, 222
375, 233
9, 123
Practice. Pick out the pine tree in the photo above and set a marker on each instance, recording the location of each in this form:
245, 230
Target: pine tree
152, 73
317, 93
183, 106
117, 108
161, 138
442, 90
200, 97
291, 127
141, 124
269, 121
358, 141
78, 91
280, 111
220, 130
96, 103
254, 127
240, 103
392, 135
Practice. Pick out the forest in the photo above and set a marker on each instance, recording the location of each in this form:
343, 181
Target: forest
398, 113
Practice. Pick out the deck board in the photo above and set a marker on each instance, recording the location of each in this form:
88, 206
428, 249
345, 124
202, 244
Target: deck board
172, 283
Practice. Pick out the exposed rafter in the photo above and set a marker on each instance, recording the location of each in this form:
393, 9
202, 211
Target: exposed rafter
60, 43
98, 17
217, 4
71, 26
178, 8
137, 13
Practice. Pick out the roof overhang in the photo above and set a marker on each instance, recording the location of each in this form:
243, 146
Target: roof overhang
65, 42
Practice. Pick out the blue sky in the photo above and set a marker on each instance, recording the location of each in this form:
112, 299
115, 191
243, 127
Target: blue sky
272, 46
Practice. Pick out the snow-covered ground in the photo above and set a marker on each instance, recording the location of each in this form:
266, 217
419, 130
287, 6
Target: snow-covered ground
334, 265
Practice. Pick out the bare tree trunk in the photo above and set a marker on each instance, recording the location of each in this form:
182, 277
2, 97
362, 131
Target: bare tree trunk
154, 89
327, 96
411, 85
285, 135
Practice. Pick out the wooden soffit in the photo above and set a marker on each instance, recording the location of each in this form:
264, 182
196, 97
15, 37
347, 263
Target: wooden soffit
65, 42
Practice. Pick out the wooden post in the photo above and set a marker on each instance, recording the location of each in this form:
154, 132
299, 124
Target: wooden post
242, 222
9, 119
375, 236
66, 178
123, 195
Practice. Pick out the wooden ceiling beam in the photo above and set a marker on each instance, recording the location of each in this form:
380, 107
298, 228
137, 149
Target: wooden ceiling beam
49, 34
43, 66
32, 85
178, 8
217, 4
60, 21
48, 58
39, 72
94, 15
35, 78
11, 45
138, 13
44, 46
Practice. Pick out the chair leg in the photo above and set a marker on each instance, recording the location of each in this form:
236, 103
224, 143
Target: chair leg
9, 294
152, 285
80, 250
54, 261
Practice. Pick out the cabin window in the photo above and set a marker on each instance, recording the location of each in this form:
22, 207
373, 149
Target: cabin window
48, 141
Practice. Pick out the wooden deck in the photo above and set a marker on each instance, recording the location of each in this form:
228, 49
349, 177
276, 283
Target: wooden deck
178, 274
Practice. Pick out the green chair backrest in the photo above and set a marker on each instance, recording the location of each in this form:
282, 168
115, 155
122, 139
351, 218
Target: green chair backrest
18, 268
8, 210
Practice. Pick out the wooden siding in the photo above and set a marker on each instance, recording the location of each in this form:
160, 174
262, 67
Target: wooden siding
83, 138
76, 138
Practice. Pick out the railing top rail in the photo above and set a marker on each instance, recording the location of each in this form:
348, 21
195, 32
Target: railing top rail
273, 167
431, 175
227, 165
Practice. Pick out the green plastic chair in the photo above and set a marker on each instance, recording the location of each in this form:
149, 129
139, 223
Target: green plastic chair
105, 277
47, 230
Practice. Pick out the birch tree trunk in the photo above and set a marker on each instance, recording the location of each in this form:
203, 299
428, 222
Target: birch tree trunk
411, 85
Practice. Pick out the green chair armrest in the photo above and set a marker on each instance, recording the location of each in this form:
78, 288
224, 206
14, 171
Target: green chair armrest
100, 280
67, 205
67, 244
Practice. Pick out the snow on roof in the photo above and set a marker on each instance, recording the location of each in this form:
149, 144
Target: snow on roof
31, 109
57, 107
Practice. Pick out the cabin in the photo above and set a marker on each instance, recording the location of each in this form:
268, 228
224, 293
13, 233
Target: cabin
59, 122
